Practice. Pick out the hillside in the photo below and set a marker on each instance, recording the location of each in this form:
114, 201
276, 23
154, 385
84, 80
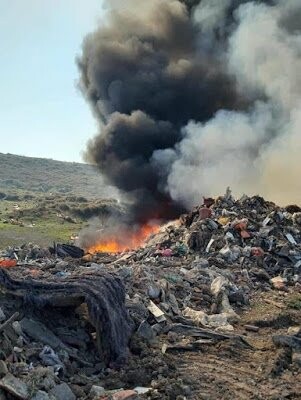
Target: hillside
43, 200
49, 176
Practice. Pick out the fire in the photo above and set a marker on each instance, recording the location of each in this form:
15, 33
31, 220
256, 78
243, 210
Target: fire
125, 240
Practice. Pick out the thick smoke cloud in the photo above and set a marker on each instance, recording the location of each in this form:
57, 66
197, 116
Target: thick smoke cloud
255, 151
145, 78
193, 96
123, 151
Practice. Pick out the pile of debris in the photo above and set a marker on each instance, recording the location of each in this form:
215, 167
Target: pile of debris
110, 326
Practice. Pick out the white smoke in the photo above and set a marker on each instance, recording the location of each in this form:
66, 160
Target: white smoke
257, 151
211, 14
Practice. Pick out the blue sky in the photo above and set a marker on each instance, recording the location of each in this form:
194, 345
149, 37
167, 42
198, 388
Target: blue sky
42, 113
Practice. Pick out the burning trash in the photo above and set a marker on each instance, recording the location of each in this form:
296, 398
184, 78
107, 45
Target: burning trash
187, 290
117, 239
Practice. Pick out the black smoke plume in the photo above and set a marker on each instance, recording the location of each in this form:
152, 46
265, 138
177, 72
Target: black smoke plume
148, 71
145, 78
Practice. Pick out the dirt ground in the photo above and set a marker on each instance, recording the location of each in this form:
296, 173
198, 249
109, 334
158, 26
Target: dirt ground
231, 369
228, 371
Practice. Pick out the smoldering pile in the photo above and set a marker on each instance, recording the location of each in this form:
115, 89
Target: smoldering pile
191, 96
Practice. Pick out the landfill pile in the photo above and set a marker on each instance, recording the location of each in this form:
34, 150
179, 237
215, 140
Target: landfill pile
208, 308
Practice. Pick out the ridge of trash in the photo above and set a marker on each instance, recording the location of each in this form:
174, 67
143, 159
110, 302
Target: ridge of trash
184, 289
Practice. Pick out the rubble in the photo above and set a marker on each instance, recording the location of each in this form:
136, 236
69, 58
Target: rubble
80, 326
14, 386
62, 392
40, 395
96, 392
211, 321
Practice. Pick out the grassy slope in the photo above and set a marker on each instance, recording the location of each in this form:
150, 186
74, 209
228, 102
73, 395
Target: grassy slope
43, 189
38, 228
44, 176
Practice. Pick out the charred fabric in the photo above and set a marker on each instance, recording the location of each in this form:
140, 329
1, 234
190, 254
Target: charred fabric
178, 86
104, 295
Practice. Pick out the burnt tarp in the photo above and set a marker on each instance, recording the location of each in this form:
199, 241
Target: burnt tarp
66, 250
104, 295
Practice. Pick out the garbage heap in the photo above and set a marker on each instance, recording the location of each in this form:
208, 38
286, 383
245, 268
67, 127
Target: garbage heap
185, 289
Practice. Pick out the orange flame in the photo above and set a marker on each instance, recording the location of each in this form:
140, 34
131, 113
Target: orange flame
125, 240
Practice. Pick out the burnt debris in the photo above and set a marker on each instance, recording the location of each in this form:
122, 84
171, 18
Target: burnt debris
104, 295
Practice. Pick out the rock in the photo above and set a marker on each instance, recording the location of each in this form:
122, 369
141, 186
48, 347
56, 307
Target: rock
3, 368
80, 380
79, 391
157, 328
238, 297
48, 383
89, 371
17, 350
125, 395
153, 292
186, 390
63, 392
40, 395
17, 328
293, 330
287, 341
142, 390
210, 321
39, 332
145, 331
15, 387
96, 392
